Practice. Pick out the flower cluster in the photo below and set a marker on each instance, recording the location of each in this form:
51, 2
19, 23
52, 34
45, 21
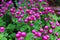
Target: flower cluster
34, 13
46, 31
4, 7
34, 17
20, 35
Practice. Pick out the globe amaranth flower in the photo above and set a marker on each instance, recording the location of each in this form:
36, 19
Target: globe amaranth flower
2, 29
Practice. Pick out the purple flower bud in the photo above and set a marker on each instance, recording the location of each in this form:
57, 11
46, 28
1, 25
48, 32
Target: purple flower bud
46, 19
56, 34
38, 34
17, 35
53, 27
20, 8
58, 13
51, 23
2, 0
44, 38
22, 12
50, 31
31, 25
41, 30
26, 20
29, 18
27, 11
2, 29
40, 0
33, 31
24, 6
46, 27
10, 2
21, 38
50, 10
48, 36
19, 2
23, 34
1, 15
7, 5
19, 20
22, 15
11, 10
57, 24
33, 18
31, 12
17, 13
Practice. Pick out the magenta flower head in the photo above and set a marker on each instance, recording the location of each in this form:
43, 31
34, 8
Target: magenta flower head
21, 38
50, 31
17, 35
44, 38
46, 19
58, 13
33, 31
20, 8
26, 21
2, 29
1, 15
51, 23
23, 34
2, 0
56, 34
46, 27
19, 20
10, 2
19, 32
53, 27
38, 34
48, 36
57, 24
31, 24
41, 30
40, 0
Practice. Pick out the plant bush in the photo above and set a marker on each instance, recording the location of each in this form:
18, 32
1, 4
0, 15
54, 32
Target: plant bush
29, 20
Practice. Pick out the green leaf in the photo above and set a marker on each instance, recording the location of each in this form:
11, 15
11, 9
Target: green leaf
1, 36
4, 38
6, 34
41, 8
43, 3
38, 38
11, 27
22, 4
35, 24
57, 29
10, 39
58, 18
13, 35
24, 27
14, 20
29, 36
2, 22
54, 17
52, 37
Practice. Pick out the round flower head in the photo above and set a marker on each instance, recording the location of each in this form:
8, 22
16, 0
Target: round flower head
2, 29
